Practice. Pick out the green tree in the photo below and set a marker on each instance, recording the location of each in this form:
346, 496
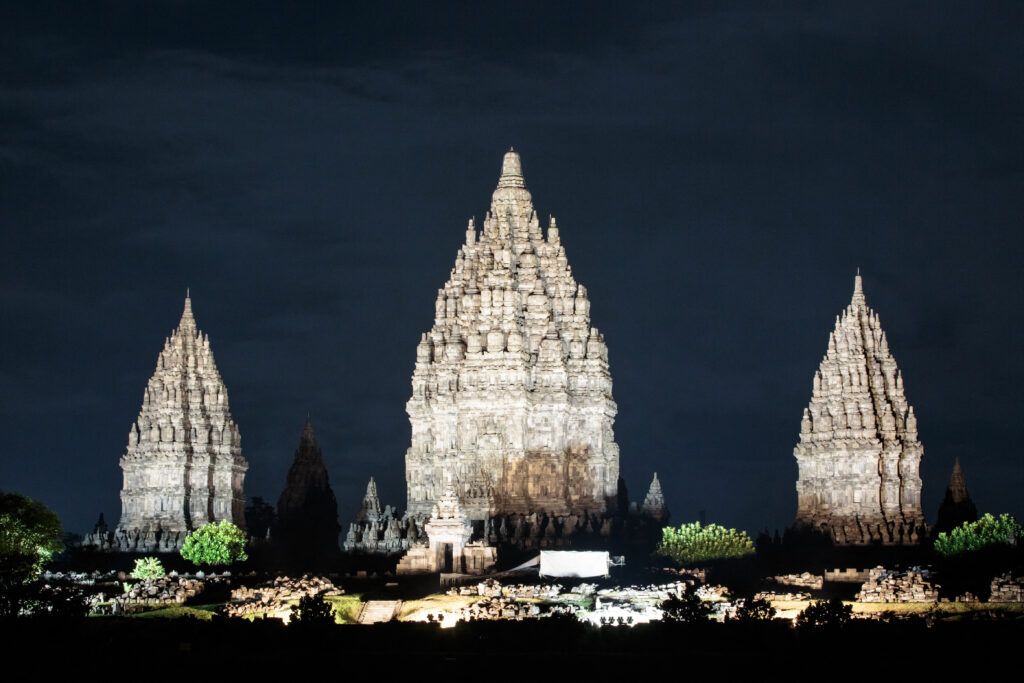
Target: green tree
825, 614
755, 609
312, 610
148, 568
217, 543
694, 543
989, 532
30, 534
687, 608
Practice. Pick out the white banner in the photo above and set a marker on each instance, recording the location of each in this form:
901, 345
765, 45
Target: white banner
568, 563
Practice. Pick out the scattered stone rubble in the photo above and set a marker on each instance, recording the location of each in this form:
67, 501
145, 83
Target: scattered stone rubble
1007, 588
772, 596
173, 589
804, 580
886, 585
275, 597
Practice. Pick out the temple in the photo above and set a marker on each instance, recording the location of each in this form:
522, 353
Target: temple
307, 511
183, 467
511, 393
957, 506
858, 454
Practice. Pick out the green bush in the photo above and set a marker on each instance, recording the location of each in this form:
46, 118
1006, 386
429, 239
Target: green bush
218, 543
822, 614
30, 534
987, 532
694, 543
687, 608
148, 568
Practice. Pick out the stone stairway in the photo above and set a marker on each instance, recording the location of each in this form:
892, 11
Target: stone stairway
379, 611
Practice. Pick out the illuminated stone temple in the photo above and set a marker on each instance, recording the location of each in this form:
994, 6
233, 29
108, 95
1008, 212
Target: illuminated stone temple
859, 455
511, 393
183, 466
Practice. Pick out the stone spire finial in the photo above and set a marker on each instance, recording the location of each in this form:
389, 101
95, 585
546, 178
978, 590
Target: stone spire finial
187, 320
511, 170
307, 432
858, 290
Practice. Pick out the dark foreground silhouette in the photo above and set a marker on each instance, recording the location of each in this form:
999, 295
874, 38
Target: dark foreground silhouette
187, 649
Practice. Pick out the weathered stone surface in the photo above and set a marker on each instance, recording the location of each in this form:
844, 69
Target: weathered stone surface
447, 547
859, 455
1007, 588
885, 585
654, 502
183, 467
381, 531
511, 397
307, 511
957, 506
275, 598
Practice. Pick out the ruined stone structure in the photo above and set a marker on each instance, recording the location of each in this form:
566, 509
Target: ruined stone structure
957, 506
859, 455
379, 530
307, 512
448, 547
511, 393
183, 467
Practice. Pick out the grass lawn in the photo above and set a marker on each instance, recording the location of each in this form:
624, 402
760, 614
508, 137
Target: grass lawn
346, 608
203, 612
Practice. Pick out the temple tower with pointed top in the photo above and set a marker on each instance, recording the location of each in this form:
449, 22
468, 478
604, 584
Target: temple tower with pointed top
307, 511
183, 467
957, 506
511, 393
859, 455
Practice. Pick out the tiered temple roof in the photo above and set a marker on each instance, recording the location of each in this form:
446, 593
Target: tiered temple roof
512, 396
859, 453
183, 466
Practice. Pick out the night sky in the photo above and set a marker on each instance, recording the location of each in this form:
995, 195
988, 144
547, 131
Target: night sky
718, 176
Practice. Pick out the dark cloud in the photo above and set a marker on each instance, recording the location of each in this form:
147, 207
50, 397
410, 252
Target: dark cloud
718, 175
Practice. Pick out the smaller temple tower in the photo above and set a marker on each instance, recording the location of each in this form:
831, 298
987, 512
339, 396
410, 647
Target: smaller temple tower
957, 507
183, 467
859, 455
307, 511
654, 507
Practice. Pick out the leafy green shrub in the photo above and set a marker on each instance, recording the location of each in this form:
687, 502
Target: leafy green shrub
755, 609
694, 543
987, 532
218, 543
312, 610
30, 534
687, 608
822, 614
148, 568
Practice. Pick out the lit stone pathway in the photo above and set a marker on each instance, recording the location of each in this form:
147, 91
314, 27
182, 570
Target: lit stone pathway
379, 611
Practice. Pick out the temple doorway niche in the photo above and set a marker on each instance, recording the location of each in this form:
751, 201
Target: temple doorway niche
448, 560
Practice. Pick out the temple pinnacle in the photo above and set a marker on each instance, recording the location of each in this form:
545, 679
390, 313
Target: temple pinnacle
858, 290
187, 320
511, 170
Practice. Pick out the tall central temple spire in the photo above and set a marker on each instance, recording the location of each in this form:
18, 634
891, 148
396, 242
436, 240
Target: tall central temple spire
859, 455
512, 398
